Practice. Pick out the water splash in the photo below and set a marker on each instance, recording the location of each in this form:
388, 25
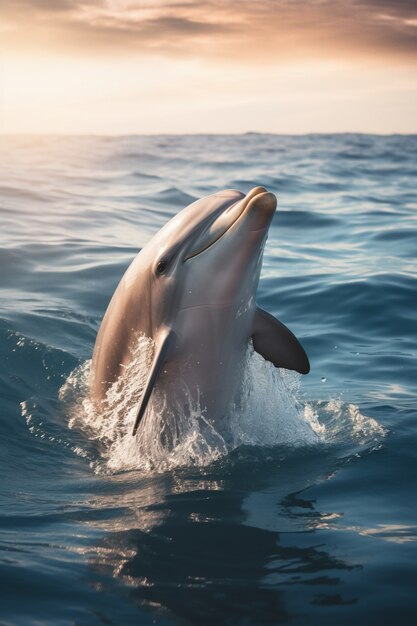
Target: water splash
340, 421
267, 411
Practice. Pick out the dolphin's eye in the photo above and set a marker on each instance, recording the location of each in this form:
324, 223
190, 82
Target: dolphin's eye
162, 265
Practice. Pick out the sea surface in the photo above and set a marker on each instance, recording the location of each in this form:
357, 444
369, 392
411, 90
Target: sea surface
306, 514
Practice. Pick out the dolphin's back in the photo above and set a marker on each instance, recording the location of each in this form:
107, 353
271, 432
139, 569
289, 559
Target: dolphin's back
125, 318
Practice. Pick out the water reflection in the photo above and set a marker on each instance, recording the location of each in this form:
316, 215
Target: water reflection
219, 548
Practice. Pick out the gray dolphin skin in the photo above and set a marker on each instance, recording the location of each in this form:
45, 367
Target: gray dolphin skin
192, 290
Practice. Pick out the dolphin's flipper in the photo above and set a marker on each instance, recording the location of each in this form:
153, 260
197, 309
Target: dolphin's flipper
276, 343
161, 348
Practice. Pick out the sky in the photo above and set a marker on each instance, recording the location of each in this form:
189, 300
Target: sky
215, 66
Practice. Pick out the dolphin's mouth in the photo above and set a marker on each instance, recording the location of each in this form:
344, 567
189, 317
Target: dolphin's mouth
215, 231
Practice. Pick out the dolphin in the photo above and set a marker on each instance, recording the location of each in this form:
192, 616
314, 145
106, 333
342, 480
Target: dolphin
192, 290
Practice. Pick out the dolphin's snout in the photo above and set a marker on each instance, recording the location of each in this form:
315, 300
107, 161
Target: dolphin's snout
261, 208
266, 202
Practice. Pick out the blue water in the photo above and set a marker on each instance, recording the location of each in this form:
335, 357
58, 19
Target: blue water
273, 530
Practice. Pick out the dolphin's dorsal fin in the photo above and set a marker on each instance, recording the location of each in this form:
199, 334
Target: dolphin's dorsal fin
276, 343
162, 344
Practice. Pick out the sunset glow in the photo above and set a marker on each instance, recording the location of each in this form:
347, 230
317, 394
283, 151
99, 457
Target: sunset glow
122, 66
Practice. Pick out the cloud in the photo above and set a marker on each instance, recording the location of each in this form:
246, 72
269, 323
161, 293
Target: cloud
239, 30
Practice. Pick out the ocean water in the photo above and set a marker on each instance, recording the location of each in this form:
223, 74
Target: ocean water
306, 513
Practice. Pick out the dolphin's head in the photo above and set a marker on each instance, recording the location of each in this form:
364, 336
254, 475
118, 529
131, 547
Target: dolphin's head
209, 254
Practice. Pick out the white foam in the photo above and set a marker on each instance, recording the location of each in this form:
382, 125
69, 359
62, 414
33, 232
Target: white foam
267, 411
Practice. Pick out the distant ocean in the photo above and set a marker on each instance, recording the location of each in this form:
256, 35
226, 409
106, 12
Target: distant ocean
279, 527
